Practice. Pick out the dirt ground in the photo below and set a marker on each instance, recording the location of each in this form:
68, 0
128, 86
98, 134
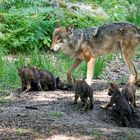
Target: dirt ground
51, 116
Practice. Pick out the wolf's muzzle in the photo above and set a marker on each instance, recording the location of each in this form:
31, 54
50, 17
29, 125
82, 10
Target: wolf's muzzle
51, 49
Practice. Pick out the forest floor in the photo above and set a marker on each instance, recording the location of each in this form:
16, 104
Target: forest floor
51, 116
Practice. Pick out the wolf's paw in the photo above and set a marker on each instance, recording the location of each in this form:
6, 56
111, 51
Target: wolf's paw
103, 107
74, 103
88, 82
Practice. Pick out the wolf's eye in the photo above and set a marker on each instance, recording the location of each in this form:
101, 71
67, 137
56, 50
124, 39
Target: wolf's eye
58, 38
110, 90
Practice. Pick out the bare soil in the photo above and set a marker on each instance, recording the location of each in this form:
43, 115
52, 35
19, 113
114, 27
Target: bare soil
51, 116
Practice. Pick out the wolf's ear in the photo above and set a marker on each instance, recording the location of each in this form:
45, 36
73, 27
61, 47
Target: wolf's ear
74, 80
113, 85
70, 28
95, 32
35, 68
57, 79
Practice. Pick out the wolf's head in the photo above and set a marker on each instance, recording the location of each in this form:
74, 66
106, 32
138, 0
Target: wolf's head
60, 37
113, 87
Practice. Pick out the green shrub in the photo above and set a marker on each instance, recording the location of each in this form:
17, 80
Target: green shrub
26, 26
116, 9
29, 24
100, 65
133, 15
24, 33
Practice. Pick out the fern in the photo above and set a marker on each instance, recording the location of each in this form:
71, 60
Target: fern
24, 3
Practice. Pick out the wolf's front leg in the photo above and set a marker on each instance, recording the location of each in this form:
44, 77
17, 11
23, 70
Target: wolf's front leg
28, 87
76, 62
70, 78
90, 70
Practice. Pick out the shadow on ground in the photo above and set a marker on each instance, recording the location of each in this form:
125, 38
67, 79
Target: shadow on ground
51, 115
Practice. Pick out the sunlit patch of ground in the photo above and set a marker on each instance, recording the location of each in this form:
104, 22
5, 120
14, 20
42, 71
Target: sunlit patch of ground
51, 115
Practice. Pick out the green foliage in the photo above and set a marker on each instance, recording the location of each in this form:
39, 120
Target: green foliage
25, 32
9, 77
5, 101
58, 64
116, 9
8, 73
100, 65
134, 12
29, 24
97, 134
132, 136
26, 26
53, 114
5, 98
23, 131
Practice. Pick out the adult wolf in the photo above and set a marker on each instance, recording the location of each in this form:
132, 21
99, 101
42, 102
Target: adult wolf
88, 44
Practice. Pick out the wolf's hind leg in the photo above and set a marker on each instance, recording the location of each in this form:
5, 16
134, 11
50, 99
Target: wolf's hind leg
76, 99
128, 51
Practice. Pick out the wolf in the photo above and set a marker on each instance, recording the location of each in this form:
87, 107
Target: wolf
90, 43
84, 91
128, 90
35, 79
122, 106
62, 85
47, 80
30, 78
